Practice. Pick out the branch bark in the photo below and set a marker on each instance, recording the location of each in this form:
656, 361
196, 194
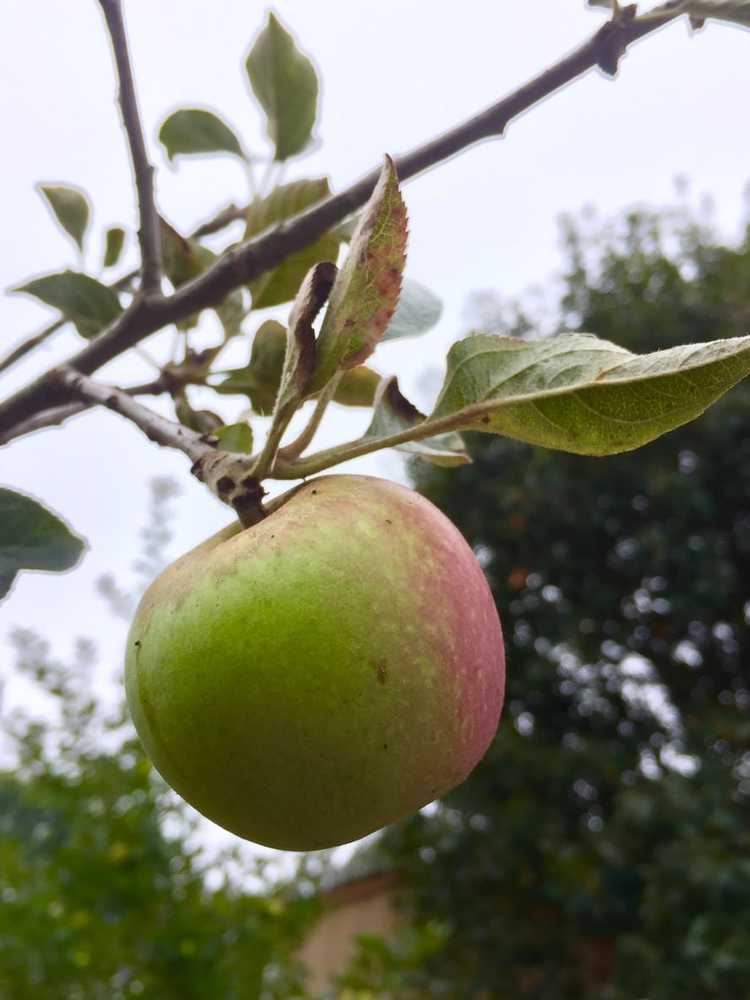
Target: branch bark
227, 475
256, 256
149, 233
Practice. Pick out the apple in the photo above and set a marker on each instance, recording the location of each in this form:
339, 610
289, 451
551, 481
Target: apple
323, 673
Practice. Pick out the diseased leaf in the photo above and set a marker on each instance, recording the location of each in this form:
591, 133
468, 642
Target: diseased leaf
394, 413
580, 394
83, 300
196, 131
259, 380
70, 207
418, 310
282, 283
357, 387
285, 83
367, 288
114, 242
32, 537
235, 437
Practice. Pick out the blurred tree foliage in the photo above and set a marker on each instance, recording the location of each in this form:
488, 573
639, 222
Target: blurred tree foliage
104, 890
602, 848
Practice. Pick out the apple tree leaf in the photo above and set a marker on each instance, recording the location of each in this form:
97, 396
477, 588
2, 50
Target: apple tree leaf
86, 302
357, 387
367, 288
32, 537
235, 437
418, 310
70, 207
394, 413
259, 380
286, 85
281, 284
576, 393
197, 131
114, 241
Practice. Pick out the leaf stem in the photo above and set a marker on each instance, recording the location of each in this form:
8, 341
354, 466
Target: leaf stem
295, 448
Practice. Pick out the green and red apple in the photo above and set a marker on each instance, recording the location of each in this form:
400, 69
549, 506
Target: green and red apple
312, 678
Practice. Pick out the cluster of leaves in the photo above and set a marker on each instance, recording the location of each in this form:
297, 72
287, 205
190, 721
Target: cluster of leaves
600, 849
574, 393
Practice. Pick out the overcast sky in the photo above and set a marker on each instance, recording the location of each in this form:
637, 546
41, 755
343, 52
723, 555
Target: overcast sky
394, 73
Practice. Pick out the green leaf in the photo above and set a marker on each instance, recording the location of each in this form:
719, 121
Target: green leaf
367, 288
203, 421
418, 310
580, 394
231, 312
114, 242
235, 437
195, 131
83, 300
285, 83
282, 283
260, 379
394, 413
32, 537
70, 207
357, 387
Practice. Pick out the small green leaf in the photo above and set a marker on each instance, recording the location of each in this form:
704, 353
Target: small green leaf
114, 242
83, 300
283, 282
418, 310
394, 413
195, 131
260, 379
357, 387
203, 421
70, 207
285, 83
577, 393
367, 288
235, 437
32, 537
232, 311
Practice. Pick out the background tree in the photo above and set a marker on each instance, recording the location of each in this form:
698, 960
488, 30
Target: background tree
106, 888
601, 847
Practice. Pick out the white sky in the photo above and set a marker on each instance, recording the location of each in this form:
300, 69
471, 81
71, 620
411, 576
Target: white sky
394, 72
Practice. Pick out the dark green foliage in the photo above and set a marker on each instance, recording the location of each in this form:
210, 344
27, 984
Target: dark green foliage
601, 849
104, 893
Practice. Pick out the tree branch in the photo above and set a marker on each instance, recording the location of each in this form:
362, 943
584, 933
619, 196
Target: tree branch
149, 233
256, 256
60, 414
226, 474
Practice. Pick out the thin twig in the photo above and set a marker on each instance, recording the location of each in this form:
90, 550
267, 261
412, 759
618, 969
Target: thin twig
256, 256
149, 232
226, 474
28, 345
154, 426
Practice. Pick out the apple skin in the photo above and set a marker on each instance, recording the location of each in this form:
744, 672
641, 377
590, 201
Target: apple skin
308, 680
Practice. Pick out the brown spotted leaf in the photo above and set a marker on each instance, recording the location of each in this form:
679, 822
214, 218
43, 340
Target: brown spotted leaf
394, 413
299, 362
366, 291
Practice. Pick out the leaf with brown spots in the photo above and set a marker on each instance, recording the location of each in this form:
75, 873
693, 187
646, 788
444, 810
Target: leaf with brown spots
366, 291
394, 413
